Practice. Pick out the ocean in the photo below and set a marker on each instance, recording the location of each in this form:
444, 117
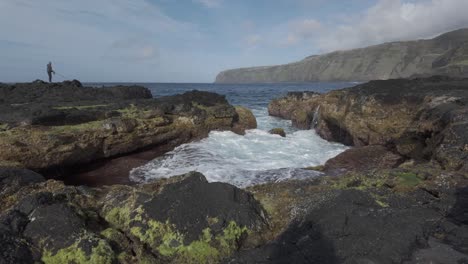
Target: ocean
258, 157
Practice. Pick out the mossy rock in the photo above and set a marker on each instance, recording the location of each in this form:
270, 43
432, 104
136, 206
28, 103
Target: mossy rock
166, 224
101, 252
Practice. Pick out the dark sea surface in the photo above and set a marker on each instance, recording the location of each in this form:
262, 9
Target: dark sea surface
255, 158
249, 95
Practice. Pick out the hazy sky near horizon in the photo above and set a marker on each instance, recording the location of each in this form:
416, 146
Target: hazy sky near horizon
192, 40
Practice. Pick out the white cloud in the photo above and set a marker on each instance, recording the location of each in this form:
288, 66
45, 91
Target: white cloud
394, 20
209, 3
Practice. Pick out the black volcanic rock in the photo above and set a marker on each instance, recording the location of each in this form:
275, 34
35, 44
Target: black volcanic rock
214, 200
184, 219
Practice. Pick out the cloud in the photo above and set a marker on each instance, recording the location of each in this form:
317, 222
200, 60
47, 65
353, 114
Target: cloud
209, 3
394, 20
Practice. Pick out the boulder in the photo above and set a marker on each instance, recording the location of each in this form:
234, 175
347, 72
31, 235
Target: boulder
277, 131
189, 221
245, 120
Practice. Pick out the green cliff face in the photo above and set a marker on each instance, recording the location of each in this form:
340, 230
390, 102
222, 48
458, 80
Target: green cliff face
446, 54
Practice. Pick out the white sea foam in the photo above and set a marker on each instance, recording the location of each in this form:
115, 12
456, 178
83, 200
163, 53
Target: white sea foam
255, 158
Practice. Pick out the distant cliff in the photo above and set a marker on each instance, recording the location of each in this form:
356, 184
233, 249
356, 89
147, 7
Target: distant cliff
446, 54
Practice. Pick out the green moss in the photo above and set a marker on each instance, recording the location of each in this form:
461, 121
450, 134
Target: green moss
316, 168
112, 234
408, 179
79, 107
118, 216
198, 252
102, 253
208, 249
229, 239
164, 238
94, 125
360, 182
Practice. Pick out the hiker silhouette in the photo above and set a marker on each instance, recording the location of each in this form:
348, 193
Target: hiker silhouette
50, 71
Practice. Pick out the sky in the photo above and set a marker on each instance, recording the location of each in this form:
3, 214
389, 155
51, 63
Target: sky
193, 40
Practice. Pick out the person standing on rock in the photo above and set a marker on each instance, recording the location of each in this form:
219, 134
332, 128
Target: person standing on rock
50, 71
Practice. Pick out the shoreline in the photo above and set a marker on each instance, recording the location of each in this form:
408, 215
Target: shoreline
408, 167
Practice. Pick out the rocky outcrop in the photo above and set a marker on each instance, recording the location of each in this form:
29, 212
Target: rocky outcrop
444, 55
181, 220
421, 119
44, 126
277, 131
403, 214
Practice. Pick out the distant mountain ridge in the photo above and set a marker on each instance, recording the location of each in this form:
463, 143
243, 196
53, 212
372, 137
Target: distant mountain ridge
446, 54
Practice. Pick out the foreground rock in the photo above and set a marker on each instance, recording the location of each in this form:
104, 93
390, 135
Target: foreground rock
181, 220
409, 214
45, 126
420, 119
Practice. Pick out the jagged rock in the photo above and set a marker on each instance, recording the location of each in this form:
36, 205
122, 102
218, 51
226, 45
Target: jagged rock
278, 131
420, 118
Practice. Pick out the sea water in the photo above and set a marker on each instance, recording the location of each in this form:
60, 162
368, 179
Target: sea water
254, 158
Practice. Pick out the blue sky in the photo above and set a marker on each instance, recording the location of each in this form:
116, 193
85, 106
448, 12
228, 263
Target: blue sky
192, 40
